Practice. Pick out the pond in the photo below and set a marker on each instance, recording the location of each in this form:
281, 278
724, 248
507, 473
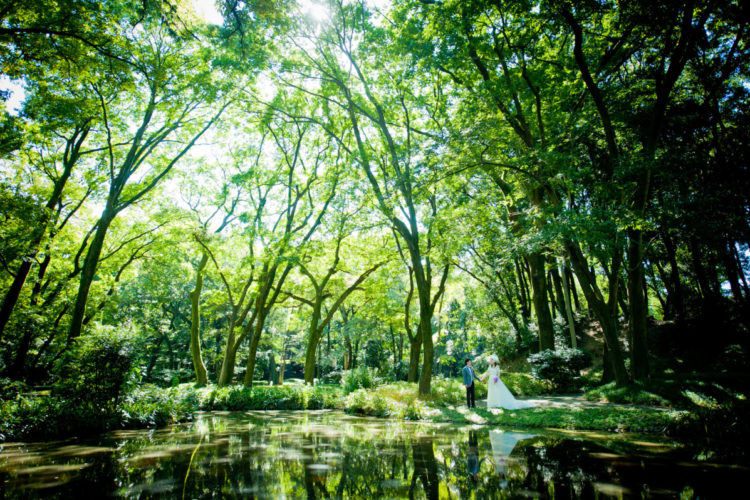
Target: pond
329, 454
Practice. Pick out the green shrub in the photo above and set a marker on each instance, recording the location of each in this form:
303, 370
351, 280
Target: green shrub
10, 388
400, 371
286, 397
361, 377
366, 402
152, 406
42, 417
333, 377
562, 367
448, 391
413, 411
524, 385
94, 372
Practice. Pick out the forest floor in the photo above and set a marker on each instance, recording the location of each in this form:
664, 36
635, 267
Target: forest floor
574, 401
564, 411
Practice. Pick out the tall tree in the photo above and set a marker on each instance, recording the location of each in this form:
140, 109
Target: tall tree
171, 109
372, 101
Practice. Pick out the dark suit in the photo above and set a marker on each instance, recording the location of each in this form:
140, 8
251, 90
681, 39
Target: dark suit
469, 376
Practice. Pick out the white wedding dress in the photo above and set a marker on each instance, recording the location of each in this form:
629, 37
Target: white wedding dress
498, 396
503, 444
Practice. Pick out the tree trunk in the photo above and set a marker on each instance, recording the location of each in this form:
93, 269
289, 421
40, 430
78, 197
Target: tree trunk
14, 292
72, 154
573, 289
539, 297
425, 469
16, 369
252, 354
201, 375
230, 352
271, 367
565, 291
666, 302
394, 345
88, 272
152, 360
400, 347
523, 292
602, 311
282, 366
700, 270
347, 352
730, 268
510, 314
638, 308
557, 283
313, 338
415, 350
425, 325
678, 301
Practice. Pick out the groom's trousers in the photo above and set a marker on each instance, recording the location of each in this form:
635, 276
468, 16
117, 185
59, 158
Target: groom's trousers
470, 396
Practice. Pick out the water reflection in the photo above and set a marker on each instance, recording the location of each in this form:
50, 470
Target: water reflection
332, 455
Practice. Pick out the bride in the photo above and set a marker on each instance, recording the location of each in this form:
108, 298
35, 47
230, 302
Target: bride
498, 396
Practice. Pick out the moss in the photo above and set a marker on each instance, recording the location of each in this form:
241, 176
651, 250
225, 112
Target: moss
635, 394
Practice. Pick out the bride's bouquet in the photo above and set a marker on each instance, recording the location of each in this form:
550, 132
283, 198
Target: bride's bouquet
495, 379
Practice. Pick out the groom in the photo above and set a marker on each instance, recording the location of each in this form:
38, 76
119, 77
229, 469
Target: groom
469, 376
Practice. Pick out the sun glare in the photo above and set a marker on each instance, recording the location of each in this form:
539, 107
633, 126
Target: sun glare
15, 94
207, 11
315, 10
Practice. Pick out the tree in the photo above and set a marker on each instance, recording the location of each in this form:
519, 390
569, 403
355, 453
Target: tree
375, 102
170, 108
321, 289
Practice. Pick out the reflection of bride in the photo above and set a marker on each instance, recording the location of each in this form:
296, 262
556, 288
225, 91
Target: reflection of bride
503, 444
498, 396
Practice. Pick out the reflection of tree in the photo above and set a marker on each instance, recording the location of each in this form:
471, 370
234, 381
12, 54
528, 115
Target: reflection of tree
558, 464
314, 478
425, 468
269, 456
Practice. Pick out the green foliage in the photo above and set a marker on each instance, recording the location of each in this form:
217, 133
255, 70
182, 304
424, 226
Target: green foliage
47, 416
522, 384
333, 377
362, 377
10, 388
286, 397
365, 402
153, 406
373, 355
95, 370
635, 393
23, 416
562, 366
614, 419
399, 399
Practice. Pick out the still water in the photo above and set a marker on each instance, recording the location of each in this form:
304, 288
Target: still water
329, 454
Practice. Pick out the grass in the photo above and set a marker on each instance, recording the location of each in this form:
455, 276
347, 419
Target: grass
683, 390
445, 404
614, 419
697, 406
710, 405
635, 394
